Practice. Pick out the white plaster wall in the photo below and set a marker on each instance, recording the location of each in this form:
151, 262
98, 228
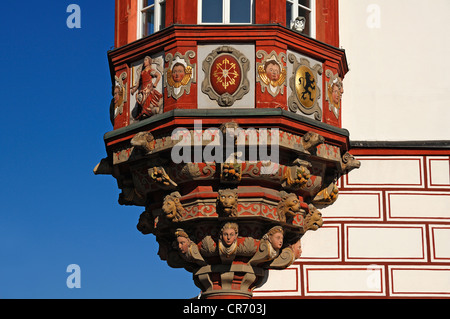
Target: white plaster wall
398, 87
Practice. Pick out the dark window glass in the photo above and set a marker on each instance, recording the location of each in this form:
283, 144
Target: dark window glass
212, 11
240, 11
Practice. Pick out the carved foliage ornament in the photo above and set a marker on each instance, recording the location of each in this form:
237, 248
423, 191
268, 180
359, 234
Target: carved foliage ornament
271, 73
304, 84
180, 74
226, 75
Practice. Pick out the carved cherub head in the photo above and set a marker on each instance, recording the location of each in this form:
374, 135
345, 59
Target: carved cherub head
288, 207
313, 220
229, 234
227, 202
172, 207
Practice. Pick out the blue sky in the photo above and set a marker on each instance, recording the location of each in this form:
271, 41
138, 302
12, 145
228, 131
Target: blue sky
54, 211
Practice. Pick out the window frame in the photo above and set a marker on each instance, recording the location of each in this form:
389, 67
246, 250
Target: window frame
312, 11
226, 12
157, 17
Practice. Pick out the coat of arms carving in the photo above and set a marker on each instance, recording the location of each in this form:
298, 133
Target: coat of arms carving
304, 84
226, 75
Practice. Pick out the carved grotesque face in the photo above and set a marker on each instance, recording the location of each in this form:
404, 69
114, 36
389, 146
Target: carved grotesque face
293, 204
276, 240
183, 244
178, 72
228, 201
314, 220
169, 207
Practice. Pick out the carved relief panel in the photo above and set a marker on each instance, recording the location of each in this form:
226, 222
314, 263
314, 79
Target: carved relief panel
227, 76
179, 74
271, 72
305, 86
146, 91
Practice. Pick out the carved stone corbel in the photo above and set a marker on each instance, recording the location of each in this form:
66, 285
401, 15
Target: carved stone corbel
269, 246
172, 207
228, 242
326, 196
144, 141
159, 176
146, 224
298, 176
227, 201
289, 207
311, 140
313, 220
349, 163
105, 167
187, 249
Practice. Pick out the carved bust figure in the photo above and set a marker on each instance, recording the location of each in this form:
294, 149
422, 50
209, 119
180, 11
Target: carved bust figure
228, 240
183, 242
227, 201
275, 237
187, 249
288, 207
172, 207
